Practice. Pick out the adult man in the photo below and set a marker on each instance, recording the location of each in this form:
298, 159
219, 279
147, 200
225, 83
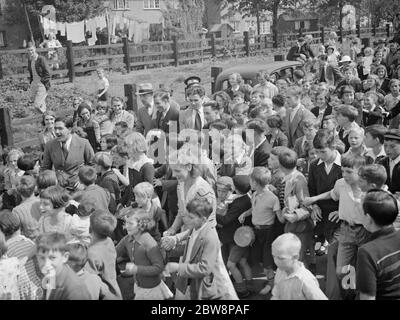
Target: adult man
296, 114
146, 114
392, 161
299, 52
67, 153
328, 73
261, 146
165, 112
264, 85
39, 74
193, 116
211, 111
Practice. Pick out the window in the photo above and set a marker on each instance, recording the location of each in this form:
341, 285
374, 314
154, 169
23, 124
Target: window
236, 26
307, 25
2, 38
265, 27
121, 4
151, 4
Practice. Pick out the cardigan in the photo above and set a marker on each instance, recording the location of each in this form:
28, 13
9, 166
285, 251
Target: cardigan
42, 70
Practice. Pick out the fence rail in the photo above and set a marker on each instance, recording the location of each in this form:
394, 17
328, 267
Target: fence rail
75, 61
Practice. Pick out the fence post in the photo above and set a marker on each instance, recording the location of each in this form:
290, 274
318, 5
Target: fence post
275, 38
126, 51
131, 97
215, 71
246, 43
6, 134
387, 34
374, 30
322, 35
71, 63
175, 48
358, 30
213, 48
266, 41
300, 32
1, 69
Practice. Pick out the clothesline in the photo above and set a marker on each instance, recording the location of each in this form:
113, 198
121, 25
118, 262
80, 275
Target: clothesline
136, 29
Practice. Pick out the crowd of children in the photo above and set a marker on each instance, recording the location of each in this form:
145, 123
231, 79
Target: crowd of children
297, 178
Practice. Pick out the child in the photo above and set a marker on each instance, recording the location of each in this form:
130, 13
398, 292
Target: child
357, 146
107, 179
101, 253
295, 215
53, 201
29, 209
392, 99
372, 177
346, 117
102, 86
62, 283
367, 61
225, 195
11, 176
303, 164
201, 273
360, 66
78, 256
46, 178
305, 143
80, 224
122, 130
347, 191
239, 113
380, 212
273, 165
275, 135
90, 126
321, 109
372, 113
87, 177
146, 260
374, 139
292, 281
29, 164
265, 206
108, 142
102, 117
144, 193
332, 57
234, 255
278, 103
238, 97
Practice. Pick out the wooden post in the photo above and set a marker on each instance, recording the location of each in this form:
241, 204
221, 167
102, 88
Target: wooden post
70, 61
6, 134
130, 94
358, 30
266, 41
1, 69
213, 47
387, 30
322, 35
374, 30
246, 43
300, 32
127, 58
175, 48
275, 38
215, 71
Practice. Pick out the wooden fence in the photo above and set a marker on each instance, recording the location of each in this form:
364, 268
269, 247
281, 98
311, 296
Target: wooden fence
75, 61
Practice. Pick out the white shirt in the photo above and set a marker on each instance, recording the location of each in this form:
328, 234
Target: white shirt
67, 143
201, 113
392, 164
166, 111
328, 166
294, 111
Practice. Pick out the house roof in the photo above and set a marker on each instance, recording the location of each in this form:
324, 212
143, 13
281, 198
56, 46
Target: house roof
218, 27
298, 17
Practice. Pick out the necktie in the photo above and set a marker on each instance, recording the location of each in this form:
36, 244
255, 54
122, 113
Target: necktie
160, 120
197, 121
323, 74
64, 149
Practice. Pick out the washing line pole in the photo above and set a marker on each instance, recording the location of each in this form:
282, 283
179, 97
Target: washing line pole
28, 21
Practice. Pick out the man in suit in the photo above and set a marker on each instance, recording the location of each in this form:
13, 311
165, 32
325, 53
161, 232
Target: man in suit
328, 73
193, 116
146, 114
296, 114
39, 74
261, 146
298, 52
165, 112
211, 112
392, 161
67, 153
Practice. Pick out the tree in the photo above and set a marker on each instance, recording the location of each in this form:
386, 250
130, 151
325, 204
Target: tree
183, 18
384, 10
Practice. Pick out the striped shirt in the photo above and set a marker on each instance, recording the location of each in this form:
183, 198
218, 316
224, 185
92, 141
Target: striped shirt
19, 246
378, 267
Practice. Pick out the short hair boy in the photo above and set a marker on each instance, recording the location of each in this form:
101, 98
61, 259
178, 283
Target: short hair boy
374, 140
372, 176
87, 176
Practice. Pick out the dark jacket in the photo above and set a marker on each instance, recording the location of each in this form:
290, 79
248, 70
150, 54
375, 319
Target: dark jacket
377, 116
355, 83
261, 154
163, 124
229, 222
393, 182
280, 141
42, 70
328, 111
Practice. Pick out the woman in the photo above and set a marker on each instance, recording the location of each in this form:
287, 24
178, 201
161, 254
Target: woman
322, 109
347, 96
89, 125
383, 80
223, 101
186, 167
118, 113
48, 133
75, 105
236, 83
140, 166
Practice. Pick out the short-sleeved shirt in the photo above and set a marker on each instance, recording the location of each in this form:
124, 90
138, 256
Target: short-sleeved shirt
264, 206
301, 285
378, 269
350, 207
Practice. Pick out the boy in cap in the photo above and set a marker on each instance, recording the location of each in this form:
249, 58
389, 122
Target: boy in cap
232, 253
147, 113
392, 160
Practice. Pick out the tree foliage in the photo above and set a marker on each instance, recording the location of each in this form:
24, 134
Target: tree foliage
183, 18
385, 10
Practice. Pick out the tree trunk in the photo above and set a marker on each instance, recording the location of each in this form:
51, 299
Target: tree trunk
275, 17
258, 17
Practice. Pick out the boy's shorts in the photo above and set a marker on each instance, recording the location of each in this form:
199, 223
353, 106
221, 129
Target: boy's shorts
236, 253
